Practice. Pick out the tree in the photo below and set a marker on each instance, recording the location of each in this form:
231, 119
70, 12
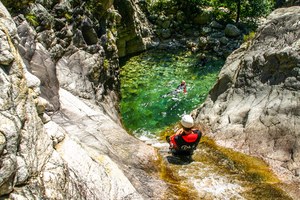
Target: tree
235, 10
246, 9
238, 11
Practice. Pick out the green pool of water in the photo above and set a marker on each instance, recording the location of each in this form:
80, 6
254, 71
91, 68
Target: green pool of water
147, 81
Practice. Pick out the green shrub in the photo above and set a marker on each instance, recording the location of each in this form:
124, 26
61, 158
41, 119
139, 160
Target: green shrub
32, 19
249, 36
68, 16
14, 6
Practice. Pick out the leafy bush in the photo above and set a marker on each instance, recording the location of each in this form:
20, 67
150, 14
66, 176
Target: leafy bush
13, 5
224, 10
32, 19
249, 37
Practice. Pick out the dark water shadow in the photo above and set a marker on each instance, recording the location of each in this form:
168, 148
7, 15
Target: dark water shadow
176, 160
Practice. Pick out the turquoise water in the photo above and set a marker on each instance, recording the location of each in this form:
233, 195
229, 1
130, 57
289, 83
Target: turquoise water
148, 104
146, 109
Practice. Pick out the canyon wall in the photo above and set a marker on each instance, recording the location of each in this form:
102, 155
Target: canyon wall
255, 105
60, 133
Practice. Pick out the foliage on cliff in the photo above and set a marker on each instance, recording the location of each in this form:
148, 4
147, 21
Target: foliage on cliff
223, 9
14, 6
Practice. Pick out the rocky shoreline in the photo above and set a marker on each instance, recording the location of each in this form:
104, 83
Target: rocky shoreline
60, 131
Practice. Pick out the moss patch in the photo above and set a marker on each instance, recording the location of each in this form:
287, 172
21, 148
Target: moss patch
32, 19
177, 187
266, 192
254, 169
252, 172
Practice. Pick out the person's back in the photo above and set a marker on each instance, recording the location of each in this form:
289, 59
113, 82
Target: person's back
186, 142
186, 139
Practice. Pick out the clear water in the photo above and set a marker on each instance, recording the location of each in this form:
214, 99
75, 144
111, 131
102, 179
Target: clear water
148, 81
148, 107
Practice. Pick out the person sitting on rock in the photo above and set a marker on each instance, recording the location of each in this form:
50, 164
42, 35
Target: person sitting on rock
185, 140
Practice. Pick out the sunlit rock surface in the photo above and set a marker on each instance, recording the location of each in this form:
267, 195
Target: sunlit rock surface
135, 33
25, 147
255, 105
60, 135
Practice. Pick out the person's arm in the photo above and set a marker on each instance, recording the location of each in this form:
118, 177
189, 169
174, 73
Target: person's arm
199, 133
173, 144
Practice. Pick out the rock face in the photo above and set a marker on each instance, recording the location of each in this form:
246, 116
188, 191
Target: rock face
255, 105
20, 123
134, 31
60, 135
